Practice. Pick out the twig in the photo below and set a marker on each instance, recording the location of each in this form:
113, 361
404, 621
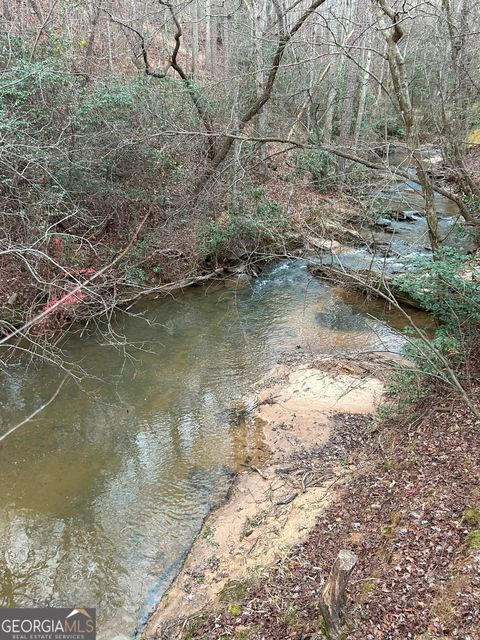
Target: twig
260, 473
287, 499
78, 288
36, 412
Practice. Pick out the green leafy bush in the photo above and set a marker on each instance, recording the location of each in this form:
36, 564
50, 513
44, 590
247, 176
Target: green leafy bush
252, 222
320, 165
448, 288
393, 125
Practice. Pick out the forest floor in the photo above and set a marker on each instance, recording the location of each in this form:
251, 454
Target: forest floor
403, 494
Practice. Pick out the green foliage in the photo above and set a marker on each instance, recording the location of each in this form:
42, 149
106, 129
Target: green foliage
391, 123
231, 596
135, 275
195, 626
253, 221
471, 517
137, 265
473, 540
111, 102
472, 205
404, 385
447, 287
321, 167
290, 616
79, 144
140, 250
207, 533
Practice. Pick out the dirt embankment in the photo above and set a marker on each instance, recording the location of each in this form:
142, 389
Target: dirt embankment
273, 505
403, 495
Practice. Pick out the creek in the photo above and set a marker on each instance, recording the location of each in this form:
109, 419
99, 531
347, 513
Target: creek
102, 494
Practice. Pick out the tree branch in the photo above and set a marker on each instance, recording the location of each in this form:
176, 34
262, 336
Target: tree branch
175, 65
36, 412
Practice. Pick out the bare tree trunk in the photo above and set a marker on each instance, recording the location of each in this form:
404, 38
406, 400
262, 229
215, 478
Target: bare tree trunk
393, 32
257, 13
226, 26
109, 45
312, 68
330, 112
307, 100
6, 13
214, 38
195, 49
94, 20
351, 76
210, 37
36, 10
455, 123
332, 95
42, 29
237, 150
362, 96
333, 599
254, 108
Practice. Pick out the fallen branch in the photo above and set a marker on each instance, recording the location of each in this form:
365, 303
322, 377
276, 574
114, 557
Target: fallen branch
173, 286
80, 287
36, 412
260, 473
287, 499
368, 281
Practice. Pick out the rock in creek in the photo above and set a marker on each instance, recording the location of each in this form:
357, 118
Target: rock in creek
403, 216
383, 223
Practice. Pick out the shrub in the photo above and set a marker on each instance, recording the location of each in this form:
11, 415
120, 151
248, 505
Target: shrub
393, 125
252, 222
320, 165
447, 288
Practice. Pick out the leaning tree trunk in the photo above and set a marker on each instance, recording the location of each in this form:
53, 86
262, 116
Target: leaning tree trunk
354, 58
254, 107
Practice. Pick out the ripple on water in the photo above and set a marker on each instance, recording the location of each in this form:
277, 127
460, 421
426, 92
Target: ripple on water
102, 495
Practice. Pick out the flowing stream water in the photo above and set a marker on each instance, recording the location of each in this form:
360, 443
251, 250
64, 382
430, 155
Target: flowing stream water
102, 494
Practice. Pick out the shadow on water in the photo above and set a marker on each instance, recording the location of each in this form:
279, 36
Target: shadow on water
102, 495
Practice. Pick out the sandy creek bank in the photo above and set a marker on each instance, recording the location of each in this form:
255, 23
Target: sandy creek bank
273, 504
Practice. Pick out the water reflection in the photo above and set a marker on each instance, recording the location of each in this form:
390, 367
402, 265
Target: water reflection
102, 494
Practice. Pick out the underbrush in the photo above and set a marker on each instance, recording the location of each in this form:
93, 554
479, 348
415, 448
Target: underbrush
320, 166
449, 289
252, 223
